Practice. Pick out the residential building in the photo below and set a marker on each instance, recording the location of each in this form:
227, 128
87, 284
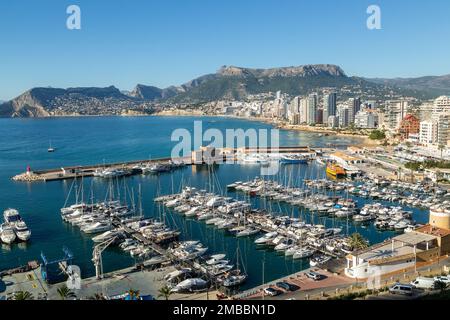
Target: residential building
365, 119
343, 113
304, 110
329, 105
396, 111
333, 121
353, 109
428, 132
443, 129
409, 124
442, 104
312, 109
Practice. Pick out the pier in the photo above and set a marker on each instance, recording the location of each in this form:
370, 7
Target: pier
197, 157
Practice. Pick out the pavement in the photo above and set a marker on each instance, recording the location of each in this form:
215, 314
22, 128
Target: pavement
115, 283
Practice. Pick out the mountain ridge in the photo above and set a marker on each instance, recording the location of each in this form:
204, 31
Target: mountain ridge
228, 82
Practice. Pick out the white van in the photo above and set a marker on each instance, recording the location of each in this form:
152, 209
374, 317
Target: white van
424, 283
404, 289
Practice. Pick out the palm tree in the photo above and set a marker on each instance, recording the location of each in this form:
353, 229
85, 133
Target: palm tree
134, 294
23, 295
65, 293
441, 148
165, 292
358, 242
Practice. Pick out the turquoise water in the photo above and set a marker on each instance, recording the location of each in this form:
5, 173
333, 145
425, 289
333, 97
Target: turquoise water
81, 141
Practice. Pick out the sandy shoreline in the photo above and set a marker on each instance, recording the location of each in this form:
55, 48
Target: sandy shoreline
365, 141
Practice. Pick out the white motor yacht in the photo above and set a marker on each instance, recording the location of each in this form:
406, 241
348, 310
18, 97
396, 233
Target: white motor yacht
247, 232
7, 234
303, 253
266, 238
22, 231
97, 227
191, 285
11, 217
214, 259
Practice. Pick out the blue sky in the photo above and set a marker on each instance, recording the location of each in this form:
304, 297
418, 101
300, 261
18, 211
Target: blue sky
167, 42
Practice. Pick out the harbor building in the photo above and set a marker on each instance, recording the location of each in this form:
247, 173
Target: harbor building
437, 174
406, 251
347, 162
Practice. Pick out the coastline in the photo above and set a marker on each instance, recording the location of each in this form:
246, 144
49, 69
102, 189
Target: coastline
279, 125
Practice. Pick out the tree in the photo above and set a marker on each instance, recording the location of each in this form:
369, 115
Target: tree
134, 294
441, 286
23, 295
165, 292
441, 148
377, 135
65, 293
358, 242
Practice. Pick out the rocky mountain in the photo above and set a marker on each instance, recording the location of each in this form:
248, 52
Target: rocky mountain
153, 93
229, 82
43, 102
434, 85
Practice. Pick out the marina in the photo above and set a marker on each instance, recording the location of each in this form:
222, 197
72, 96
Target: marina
235, 238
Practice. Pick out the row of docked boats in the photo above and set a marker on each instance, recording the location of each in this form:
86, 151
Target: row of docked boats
155, 168
113, 221
214, 268
13, 228
299, 240
286, 235
216, 211
284, 159
386, 217
97, 217
324, 204
159, 167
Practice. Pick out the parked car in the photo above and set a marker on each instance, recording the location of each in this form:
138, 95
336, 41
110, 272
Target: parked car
424, 283
287, 286
314, 275
444, 279
272, 292
404, 289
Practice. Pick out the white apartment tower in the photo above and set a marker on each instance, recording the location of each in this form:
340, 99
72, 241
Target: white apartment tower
329, 105
428, 132
312, 108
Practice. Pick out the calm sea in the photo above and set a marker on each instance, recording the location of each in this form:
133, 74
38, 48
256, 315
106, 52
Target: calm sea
93, 140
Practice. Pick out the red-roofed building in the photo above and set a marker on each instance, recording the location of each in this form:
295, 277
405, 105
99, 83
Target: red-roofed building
409, 125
